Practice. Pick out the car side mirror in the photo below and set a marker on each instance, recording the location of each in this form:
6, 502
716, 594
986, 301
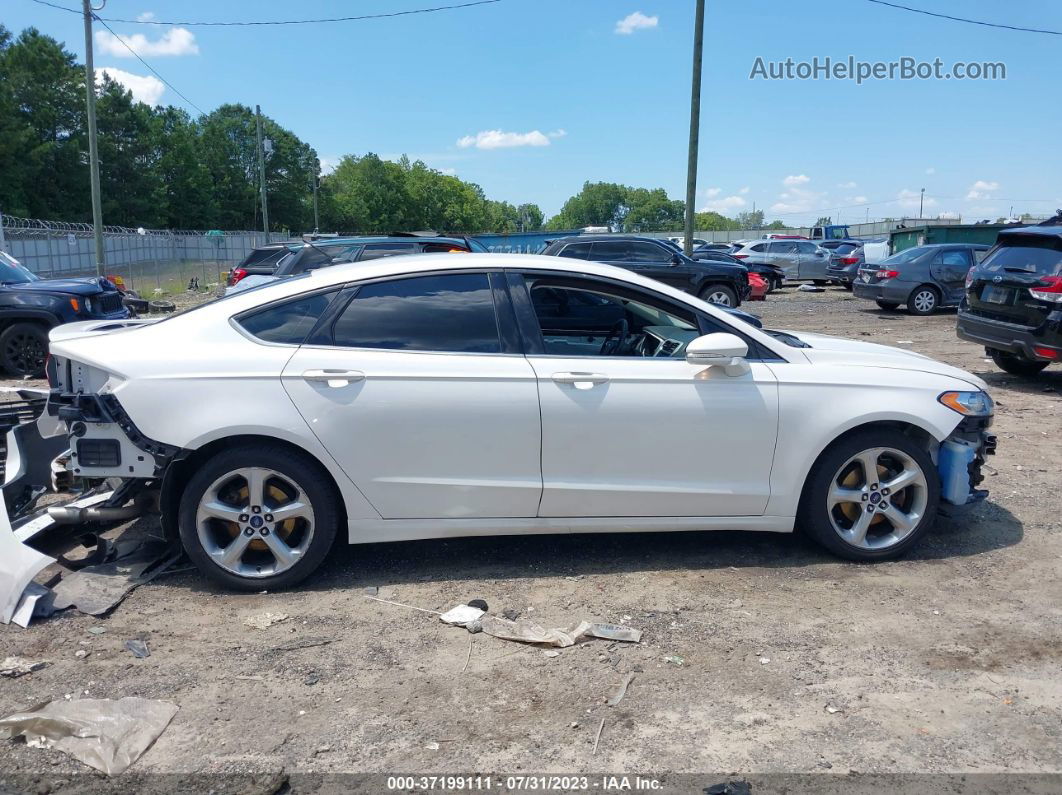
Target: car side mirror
676, 259
719, 350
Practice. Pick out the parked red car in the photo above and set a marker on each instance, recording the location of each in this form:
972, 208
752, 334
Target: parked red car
758, 286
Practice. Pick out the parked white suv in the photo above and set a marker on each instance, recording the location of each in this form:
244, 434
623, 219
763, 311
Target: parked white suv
439, 396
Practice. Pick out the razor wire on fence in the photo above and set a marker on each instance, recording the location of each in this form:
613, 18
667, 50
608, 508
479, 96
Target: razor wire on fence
147, 260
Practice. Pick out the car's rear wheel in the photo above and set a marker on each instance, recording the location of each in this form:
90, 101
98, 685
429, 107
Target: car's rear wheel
719, 294
870, 496
888, 304
1016, 365
258, 516
923, 300
23, 349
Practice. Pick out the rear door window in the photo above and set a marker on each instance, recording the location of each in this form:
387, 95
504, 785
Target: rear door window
452, 312
287, 323
610, 251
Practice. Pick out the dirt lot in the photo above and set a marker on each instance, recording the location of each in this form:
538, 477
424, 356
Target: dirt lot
790, 661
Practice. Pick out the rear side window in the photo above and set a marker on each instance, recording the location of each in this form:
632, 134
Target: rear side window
759, 248
1039, 255
289, 322
448, 313
576, 251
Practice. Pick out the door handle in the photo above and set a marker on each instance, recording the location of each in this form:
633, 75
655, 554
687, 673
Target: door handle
334, 378
580, 380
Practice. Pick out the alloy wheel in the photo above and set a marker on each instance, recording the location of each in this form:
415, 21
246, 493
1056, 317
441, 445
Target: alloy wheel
255, 522
26, 353
877, 498
718, 297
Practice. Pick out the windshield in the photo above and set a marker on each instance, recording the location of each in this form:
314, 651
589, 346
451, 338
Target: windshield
1040, 255
13, 272
910, 255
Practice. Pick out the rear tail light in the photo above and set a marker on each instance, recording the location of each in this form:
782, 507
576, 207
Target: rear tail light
741, 256
849, 260
886, 274
969, 278
1049, 289
1047, 353
236, 275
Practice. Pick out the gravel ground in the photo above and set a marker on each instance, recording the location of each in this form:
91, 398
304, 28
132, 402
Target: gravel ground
760, 653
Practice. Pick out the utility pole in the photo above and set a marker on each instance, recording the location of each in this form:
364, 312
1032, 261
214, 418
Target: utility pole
94, 155
921, 200
695, 127
316, 182
261, 167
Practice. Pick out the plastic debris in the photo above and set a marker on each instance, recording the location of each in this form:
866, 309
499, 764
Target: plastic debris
138, 648
462, 615
526, 631
105, 734
433, 746
597, 738
265, 620
811, 288
19, 666
620, 691
551, 653
674, 659
98, 589
96, 630
764, 660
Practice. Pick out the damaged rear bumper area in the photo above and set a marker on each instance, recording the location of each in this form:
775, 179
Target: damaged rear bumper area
80, 457
960, 459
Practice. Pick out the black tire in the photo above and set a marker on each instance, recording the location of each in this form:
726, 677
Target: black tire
23, 349
847, 286
302, 470
923, 300
1016, 365
888, 305
715, 290
820, 282
814, 515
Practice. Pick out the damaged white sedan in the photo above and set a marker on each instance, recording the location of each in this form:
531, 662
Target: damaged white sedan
439, 396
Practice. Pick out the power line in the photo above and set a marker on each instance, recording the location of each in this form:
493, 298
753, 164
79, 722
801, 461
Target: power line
964, 19
149, 66
244, 23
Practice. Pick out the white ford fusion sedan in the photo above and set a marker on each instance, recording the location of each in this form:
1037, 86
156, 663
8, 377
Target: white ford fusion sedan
440, 395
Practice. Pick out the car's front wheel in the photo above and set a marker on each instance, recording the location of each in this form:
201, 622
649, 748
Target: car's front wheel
258, 516
870, 496
719, 294
23, 349
1017, 365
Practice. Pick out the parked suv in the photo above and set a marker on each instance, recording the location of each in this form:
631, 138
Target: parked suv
715, 282
798, 259
309, 256
924, 277
30, 306
1013, 300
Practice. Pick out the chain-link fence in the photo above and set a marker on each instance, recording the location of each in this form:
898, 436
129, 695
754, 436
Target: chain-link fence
151, 261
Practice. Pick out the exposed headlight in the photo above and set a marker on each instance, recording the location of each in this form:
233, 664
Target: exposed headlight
969, 404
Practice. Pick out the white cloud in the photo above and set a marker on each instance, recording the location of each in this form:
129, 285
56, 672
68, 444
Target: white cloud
848, 185
146, 16
145, 88
176, 41
450, 172
726, 204
713, 192
949, 215
911, 199
931, 170
498, 139
796, 179
328, 163
744, 190
859, 200
981, 189
635, 21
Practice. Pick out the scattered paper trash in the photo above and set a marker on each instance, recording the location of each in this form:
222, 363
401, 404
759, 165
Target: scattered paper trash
620, 691
764, 660
19, 666
96, 630
551, 653
265, 620
526, 631
832, 709
461, 615
105, 734
674, 659
811, 288
433, 746
138, 648
905, 342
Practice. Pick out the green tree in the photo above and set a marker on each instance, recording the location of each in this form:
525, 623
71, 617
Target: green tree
597, 204
824, 221
188, 197
752, 219
530, 217
713, 222
776, 225
653, 211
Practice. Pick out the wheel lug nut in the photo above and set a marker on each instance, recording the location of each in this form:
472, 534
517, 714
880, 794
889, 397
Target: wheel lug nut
866, 497
249, 531
256, 509
244, 517
885, 491
269, 517
874, 487
870, 509
265, 531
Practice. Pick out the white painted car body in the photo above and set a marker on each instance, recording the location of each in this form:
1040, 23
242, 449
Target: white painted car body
424, 445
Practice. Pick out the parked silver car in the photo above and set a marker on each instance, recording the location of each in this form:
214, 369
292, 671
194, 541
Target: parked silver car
801, 260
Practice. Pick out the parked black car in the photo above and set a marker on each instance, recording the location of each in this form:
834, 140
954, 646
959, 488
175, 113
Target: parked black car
1013, 300
30, 306
772, 274
261, 261
716, 282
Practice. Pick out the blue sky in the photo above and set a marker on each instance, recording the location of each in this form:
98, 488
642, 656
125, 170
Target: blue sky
530, 98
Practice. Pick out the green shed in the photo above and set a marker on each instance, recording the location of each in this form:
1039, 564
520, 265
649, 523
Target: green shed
912, 236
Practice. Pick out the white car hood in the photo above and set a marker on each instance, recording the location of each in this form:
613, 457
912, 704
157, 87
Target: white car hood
838, 350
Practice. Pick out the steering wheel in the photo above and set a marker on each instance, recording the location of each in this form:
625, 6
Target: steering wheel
615, 337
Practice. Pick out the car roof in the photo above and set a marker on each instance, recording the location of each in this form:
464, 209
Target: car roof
1033, 231
954, 245
608, 237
